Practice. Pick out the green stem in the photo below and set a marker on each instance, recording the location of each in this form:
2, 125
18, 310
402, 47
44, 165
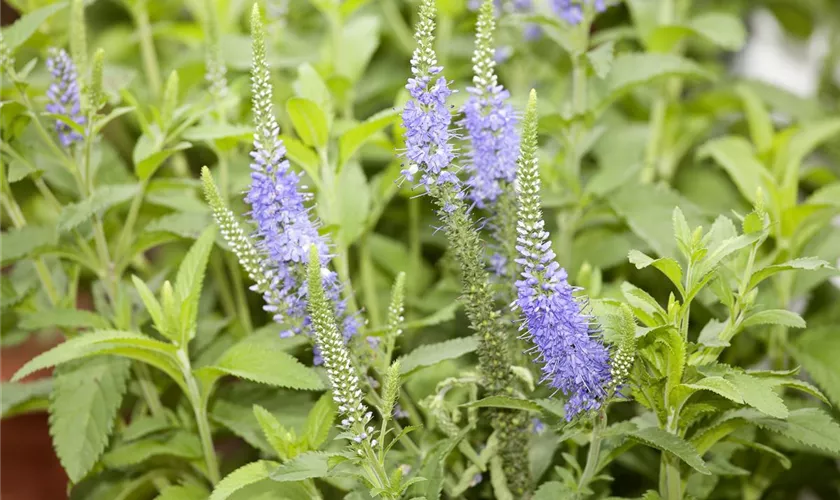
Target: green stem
599, 422
147, 47
239, 293
670, 482
199, 404
131, 219
368, 283
222, 285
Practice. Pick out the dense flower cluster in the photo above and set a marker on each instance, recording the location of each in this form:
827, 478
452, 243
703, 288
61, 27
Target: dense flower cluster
490, 122
427, 116
64, 95
347, 393
285, 230
574, 362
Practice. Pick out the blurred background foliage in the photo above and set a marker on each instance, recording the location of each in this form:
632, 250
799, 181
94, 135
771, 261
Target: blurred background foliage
779, 58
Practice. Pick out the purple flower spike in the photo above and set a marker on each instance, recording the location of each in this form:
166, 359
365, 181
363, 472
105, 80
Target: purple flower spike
64, 95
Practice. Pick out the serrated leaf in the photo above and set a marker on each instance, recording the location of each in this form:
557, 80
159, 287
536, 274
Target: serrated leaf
85, 400
601, 59
101, 200
719, 386
184, 224
144, 426
15, 395
189, 281
504, 402
309, 121
181, 444
277, 436
808, 426
806, 263
305, 466
242, 477
553, 490
23, 242
62, 318
631, 70
18, 33
667, 265
818, 350
152, 307
319, 421
356, 137
671, 443
759, 393
432, 354
127, 344
183, 492
261, 359
775, 317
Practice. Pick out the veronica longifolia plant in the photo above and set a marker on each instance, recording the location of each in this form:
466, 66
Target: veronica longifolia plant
446, 301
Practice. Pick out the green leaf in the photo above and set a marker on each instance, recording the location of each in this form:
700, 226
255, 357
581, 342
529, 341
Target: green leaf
635, 69
62, 318
302, 155
189, 281
504, 402
738, 159
153, 308
261, 359
146, 425
601, 59
242, 477
818, 350
181, 444
319, 421
645, 206
280, 439
127, 344
183, 492
306, 466
759, 393
719, 386
553, 490
806, 263
668, 266
22, 243
309, 121
802, 143
101, 200
433, 467
775, 317
85, 400
671, 443
758, 119
432, 354
359, 40
18, 33
724, 30
146, 163
184, 224
349, 205
357, 136
15, 396
808, 426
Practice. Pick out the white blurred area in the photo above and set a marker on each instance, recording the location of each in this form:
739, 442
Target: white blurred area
774, 57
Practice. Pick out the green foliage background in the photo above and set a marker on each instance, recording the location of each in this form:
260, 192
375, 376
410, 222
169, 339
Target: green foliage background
636, 118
